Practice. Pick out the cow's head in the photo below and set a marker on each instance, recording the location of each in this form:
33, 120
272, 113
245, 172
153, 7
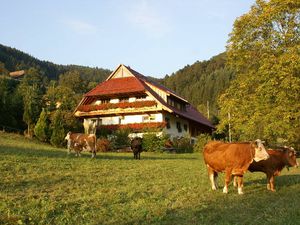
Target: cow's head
68, 136
290, 156
260, 151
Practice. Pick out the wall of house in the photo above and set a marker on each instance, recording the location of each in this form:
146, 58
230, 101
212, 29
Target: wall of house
173, 130
127, 119
160, 92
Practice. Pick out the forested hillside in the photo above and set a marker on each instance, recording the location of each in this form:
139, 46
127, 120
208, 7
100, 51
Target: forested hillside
12, 59
202, 82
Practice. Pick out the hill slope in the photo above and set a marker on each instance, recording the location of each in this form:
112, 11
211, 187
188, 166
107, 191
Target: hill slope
201, 82
13, 59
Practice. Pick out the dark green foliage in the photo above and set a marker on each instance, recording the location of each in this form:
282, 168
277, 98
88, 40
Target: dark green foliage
73, 82
14, 59
41, 129
154, 143
151, 143
57, 128
202, 140
202, 82
11, 106
120, 139
32, 88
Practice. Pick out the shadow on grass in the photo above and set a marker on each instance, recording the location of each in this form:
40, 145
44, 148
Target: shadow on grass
280, 181
61, 153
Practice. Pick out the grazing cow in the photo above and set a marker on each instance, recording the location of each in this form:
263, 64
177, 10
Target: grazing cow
279, 158
136, 147
233, 158
81, 142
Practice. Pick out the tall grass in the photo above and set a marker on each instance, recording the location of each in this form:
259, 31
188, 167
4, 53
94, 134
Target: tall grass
43, 185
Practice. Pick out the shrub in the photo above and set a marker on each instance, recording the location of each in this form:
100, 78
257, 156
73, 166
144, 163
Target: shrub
154, 143
41, 129
58, 131
120, 139
183, 145
102, 145
202, 140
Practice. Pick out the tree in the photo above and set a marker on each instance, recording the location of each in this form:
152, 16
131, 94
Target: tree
58, 131
32, 88
263, 49
32, 108
41, 129
73, 81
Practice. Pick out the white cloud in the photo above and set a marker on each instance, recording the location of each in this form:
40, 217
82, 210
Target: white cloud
80, 27
146, 18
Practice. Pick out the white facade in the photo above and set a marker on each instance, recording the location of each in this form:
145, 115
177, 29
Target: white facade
178, 127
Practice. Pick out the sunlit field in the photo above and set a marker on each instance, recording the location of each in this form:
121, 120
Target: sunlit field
44, 185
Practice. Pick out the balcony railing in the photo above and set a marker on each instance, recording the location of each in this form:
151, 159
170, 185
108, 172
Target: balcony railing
134, 126
120, 105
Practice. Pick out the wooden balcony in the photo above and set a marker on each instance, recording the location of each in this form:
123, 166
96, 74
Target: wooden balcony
117, 108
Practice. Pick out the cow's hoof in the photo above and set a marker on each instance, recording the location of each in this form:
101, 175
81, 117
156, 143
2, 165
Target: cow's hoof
225, 190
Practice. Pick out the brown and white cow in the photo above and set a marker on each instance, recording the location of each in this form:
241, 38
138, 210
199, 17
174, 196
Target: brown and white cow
279, 158
233, 159
81, 142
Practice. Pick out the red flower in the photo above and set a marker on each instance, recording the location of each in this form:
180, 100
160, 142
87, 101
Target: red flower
134, 126
122, 105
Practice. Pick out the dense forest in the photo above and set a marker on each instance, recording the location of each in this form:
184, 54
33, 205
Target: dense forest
202, 82
12, 59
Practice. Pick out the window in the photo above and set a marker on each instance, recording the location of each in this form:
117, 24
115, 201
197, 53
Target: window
145, 118
178, 125
97, 122
103, 101
185, 127
124, 99
168, 125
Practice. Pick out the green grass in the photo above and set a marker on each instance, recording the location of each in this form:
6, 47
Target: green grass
43, 185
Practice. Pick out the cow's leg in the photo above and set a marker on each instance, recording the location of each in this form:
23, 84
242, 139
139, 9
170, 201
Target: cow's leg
235, 181
269, 181
69, 147
211, 177
272, 187
216, 179
240, 184
139, 155
93, 154
227, 180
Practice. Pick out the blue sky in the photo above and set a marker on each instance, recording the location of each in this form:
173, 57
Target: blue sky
154, 37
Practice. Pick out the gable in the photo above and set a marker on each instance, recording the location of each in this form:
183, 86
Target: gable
120, 72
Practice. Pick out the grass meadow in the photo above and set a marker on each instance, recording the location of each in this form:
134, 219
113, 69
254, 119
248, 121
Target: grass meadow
41, 184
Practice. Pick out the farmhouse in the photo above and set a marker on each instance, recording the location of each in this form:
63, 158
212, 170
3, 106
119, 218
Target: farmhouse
129, 99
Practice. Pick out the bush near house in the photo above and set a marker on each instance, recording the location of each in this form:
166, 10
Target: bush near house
202, 140
183, 145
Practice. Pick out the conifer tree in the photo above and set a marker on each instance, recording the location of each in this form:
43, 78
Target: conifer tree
41, 129
58, 131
